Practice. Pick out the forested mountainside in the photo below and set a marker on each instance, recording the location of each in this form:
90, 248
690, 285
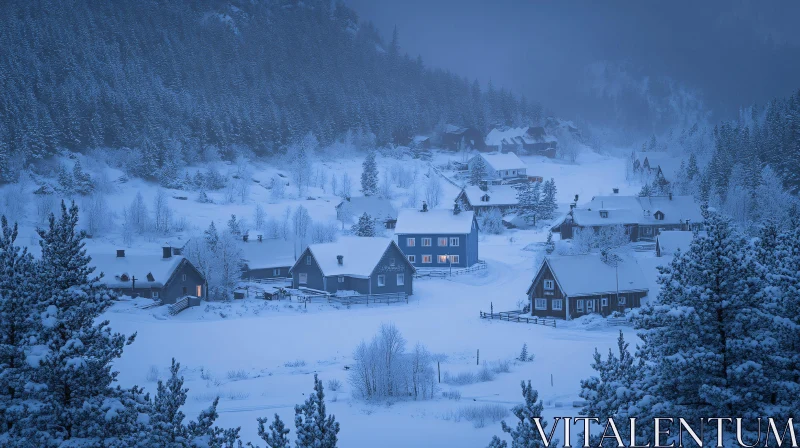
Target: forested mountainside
154, 74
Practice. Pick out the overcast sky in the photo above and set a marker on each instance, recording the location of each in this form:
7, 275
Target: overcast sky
734, 52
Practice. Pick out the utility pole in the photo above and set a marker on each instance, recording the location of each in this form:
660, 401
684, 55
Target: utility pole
616, 272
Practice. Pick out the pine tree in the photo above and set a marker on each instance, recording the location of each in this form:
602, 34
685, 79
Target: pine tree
17, 300
549, 206
233, 226
692, 170
525, 435
277, 435
646, 191
315, 429
529, 200
82, 181
660, 186
166, 419
66, 183
72, 395
369, 175
523, 354
204, 432
549, 245
477, 171
365, 226
211, 236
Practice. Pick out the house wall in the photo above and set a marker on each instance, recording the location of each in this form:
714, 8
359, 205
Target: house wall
435, 250
262, 273
360, 285
315, 278
633, 299
137, 292
390, 265
176, 287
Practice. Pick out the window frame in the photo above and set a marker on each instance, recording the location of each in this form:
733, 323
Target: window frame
579, 305
622, 300
155, 294
411, 242
557, 304
549, 285
302, 278
183, 277
439, 259
455, 241
603, 213
440, 240
429, 257
340, 279
276, 272
412, 258
455, 259
537, 306
426, 240
308, 260
401, 279
604, 301
381, 280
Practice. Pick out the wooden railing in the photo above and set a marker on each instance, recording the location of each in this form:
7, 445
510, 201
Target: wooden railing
269, 281
367, 299
516, 316
445, 272
179, 305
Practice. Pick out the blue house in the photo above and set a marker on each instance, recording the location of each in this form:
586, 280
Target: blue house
438, 238
359, 265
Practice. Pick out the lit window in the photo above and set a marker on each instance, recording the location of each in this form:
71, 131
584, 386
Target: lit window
401, 279
549, 285
199, 291
454, 241
604, 301
579, 305
427, 259
308, 260
426, 241
557, 305
541, 304
442, 259
411, 242
454, 259
412, 258
302, 278
621, 300
443, 241
381, 280
341, 279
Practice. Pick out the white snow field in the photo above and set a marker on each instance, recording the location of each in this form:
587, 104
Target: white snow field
260, 357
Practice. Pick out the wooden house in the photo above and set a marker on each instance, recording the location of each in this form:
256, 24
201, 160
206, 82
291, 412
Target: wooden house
166, 278
360, 265
267, 258
456, 137
501, 197
533, 140
381, 210
438, 238
502, 167
566, 287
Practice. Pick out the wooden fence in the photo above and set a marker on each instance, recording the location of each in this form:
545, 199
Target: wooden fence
516, 316
367, 299
179, 305
442, 273
617, 321
270, 281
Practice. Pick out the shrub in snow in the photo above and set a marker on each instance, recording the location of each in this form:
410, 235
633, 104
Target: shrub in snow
483, 414
452, 394
237, 375
524, 356
383, 369
294, 364
203, 198
459, 379
485, 373
491, 222
334, 385
433, 189
324, 233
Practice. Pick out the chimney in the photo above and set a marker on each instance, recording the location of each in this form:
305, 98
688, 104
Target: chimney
670, 195
424, 206
456, 209
120, 253
166, 252
615, 190
245, 237
576, 199
340, 259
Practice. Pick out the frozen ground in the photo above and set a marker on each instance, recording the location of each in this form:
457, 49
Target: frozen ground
259, 357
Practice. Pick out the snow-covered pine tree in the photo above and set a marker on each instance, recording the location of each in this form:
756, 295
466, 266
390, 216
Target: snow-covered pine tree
784, 273
529, 200
17, 310
71, 393
314, 428
701, 339
365, 226
82, 181
369, 175
612, 390
66, 184
525, 434
549, 245
233, 226
277, 435
660, 186
204, 433
549, 206
477, 171
523, 354
646, 191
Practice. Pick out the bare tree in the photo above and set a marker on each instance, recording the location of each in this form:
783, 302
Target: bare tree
433, 190
259, 217
347, 185
278, 189
162, 214
138, 214
301, 222
96, 216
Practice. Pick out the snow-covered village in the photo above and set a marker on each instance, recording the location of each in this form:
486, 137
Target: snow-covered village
270, 223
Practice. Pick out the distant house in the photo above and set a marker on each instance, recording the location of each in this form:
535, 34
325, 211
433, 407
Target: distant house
267, 258
501, 197
572, 286
166, 278
642, 217
502, 167
454, 137
533, 139
438, 238
421, 142
669, 242
354, 264
381, 210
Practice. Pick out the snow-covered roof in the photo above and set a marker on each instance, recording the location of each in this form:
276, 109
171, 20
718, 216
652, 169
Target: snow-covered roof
672, 240
453, 129
507, 161
377, 208
584, 275
437, 221
499, 195
270, 253
512, 136
637, 210
360, 255
133, 265
420, 138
